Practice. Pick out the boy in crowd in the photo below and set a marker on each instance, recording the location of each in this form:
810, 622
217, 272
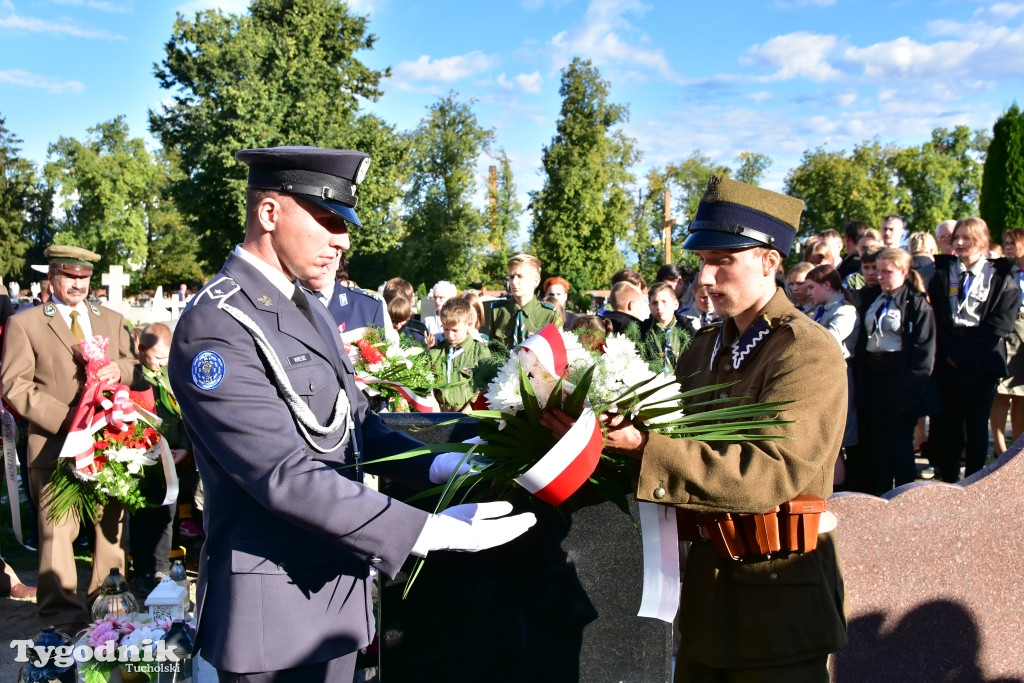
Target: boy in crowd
151, 529
455, 357
517, 317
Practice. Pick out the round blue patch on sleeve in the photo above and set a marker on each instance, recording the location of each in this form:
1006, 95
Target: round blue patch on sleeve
207, 370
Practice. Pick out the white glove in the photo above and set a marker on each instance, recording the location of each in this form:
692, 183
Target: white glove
444, 464
472, 527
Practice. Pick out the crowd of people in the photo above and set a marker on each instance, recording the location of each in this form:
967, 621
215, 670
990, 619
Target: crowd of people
256, 393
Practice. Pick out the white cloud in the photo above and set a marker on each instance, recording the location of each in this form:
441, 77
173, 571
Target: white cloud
225, 6
59, 27
905, 57
447, 69
529, 82
600, 37
100, 5
760, 96
845, 99
1005, 10
30, 80
796, 55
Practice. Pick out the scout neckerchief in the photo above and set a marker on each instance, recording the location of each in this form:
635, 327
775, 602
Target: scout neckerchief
164, 393
519, 333
961, 286
450, 356
668, 353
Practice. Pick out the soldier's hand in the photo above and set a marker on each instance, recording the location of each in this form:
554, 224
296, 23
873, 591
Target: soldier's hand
109, 373
622, 436
472, 527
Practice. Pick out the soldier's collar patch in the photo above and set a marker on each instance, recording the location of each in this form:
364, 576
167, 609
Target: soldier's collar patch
265, 300
50, 310
95, 311
744, 348
207, 370
220, 291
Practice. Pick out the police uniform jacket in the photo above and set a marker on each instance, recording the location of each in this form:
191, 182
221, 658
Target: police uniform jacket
290, 536
537, 314
980, 349
788, 608
353, 308
43, 379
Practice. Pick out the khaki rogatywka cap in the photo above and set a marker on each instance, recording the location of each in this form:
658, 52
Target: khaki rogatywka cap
71, 260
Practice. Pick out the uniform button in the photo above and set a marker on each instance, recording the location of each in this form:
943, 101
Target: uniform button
659, 493
375, 560
773, 576
282, 567
312, 386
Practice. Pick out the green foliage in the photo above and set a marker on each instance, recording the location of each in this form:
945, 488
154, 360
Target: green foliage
17, 183
584, 209
283, 74
445, 237
838, 188
110, 190
1002, 195
752, 166
942, 176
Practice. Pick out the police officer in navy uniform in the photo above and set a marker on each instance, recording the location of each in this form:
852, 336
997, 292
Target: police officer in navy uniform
353, 308
279, 431
773, 617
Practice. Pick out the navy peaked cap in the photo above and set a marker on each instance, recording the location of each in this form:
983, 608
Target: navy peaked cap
735, 215
327, 177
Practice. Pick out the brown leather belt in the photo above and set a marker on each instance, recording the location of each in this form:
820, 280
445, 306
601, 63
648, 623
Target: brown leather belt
789, 528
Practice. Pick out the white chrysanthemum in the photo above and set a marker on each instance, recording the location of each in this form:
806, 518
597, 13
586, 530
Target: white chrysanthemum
142, 633
503, 391
618, 369
134, 459
577, 355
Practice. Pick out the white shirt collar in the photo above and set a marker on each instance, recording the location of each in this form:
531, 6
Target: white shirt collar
276, 277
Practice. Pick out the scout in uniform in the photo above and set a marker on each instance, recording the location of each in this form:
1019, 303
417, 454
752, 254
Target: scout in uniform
43, 375
278, 430
454, 359
516, 318
765, 616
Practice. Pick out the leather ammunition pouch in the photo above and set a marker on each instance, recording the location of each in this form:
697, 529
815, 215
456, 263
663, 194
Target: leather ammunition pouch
789, 528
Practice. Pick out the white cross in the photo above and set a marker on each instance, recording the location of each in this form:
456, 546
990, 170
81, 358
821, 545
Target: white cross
114, 280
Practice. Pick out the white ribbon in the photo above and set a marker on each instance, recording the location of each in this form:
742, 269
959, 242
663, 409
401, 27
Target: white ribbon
660, 537
10, 435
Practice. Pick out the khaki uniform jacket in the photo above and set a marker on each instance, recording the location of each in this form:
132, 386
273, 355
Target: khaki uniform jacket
786, 609
41, 378
503, 319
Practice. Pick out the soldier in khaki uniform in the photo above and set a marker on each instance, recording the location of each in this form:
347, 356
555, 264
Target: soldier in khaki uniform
516, 318
42, 377
760, 618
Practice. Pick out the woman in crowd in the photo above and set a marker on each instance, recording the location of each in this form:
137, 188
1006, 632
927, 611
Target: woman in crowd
836, 313
797, 287
1010, 390
896, 369
976, 301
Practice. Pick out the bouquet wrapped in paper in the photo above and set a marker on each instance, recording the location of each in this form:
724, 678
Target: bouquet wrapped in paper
553, 369
113, 446
399, 374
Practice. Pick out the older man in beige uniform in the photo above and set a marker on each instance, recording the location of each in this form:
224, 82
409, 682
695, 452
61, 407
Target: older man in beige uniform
42, 377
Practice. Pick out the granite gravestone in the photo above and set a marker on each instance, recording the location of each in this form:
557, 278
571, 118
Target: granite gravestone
933, 579
557, 604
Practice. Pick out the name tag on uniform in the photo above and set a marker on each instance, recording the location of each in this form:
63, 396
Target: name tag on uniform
301, 358
343, 299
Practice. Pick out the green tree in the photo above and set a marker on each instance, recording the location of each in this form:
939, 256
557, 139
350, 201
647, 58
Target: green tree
17, 183
109, 186
942, 176
445, 239
1002, 191
584, 209
838, 187
173, 248
285, 73
503, 212
752, 166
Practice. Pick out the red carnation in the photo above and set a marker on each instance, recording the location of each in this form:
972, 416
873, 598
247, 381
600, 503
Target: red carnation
101, 445
369, 352
151, 436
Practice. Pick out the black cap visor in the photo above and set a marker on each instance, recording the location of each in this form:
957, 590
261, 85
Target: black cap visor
717, 239
337, 208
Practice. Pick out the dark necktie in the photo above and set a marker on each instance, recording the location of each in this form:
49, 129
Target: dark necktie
76, 327
819, 313
303, 305
965, 286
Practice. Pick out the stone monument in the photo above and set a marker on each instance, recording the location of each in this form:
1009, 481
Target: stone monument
933, 581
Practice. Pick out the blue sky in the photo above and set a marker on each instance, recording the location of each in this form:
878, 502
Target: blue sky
775, 76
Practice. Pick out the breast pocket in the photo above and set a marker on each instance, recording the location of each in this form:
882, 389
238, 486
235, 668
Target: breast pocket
312, 379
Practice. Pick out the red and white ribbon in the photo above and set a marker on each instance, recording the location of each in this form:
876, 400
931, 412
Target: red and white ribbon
569, 464
660, 538
422, 404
